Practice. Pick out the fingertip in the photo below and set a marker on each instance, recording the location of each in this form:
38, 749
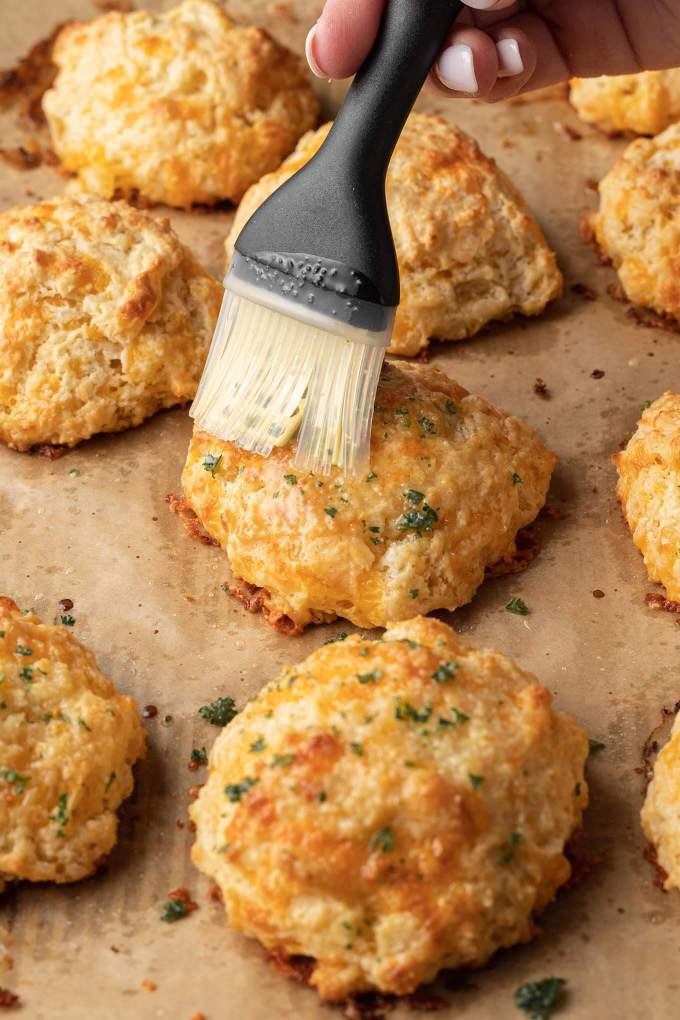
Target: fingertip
468, 64
343, 36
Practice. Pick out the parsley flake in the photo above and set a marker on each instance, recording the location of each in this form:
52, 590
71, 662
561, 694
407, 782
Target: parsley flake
418, 520
427, 425
23, 650
475, 781
15, 778
517, 606
445, 671
219, 712
66, 620
383, 840
595, 745
414, 592
538, 999
369, 678
282, 761
342, 636
370, 476
173, 910
415, 497
357, 749
517, 479
407, 713
291, 479
510, 847
330, 510
450, 406
211, 462
257, 745
61, 816
199, 756
235, 791
112, 776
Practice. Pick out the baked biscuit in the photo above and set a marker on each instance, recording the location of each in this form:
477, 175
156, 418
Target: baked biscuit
469, 250
68, 741
649, 490
105, 317
391, 808
638, 223
181, 106
452, 481
643, 104
661, 810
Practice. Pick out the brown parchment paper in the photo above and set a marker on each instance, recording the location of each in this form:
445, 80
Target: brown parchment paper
148, 601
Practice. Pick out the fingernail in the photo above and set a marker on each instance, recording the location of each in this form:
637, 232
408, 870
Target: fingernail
481, 5
309, 53
456, 69
510, 60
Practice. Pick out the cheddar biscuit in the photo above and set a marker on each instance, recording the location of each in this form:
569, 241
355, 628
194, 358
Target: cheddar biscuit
661, 810
649, 490
638, 223
105, 318
452, 480
469, 250
181, 106
643, 104
68, 741
391, 808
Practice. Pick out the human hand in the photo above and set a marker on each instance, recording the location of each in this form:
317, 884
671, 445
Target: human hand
500, 48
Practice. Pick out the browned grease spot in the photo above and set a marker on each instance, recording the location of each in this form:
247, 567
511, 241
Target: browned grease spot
193, 527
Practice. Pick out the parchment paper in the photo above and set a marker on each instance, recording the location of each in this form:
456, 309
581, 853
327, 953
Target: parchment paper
148, 601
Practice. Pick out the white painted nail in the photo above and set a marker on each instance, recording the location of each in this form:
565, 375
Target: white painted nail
309, 53
481, 5
456, 69
510, 60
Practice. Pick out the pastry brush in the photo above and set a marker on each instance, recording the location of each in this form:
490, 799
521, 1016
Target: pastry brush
313, 286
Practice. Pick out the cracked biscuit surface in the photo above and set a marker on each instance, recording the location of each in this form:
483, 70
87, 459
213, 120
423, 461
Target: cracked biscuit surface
452, 481
68, 741
469, 250
105, 318
181, 106
391, 808
661, 811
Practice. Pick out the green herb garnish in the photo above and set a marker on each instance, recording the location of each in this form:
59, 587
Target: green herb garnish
112, 776
450, 406
510, 848
445, 671
199, 756
23, 650
342, 636
282, 761
516, 479
257, 745
291, 479
540, 998
418, 520
330, 510
383, 840
517, 606
173, 910
407, 713
235, 791
595, 745
61, 816
414, 592
66, 620
357, 749
369, 678
219, 712
370, 476
211, 462
14, 778
475, 781
415, 497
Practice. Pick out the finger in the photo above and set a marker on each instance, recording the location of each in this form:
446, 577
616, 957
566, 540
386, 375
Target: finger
489, 5
517, 62
543, 63
342, 38
467, 65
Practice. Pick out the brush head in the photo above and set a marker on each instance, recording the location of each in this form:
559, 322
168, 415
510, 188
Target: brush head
280, 365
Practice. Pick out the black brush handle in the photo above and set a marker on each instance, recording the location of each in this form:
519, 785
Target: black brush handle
334, 209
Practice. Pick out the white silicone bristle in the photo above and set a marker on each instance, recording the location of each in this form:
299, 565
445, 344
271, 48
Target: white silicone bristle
267, 371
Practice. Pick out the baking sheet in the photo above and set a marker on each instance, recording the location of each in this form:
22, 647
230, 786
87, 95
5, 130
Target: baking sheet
148, 601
